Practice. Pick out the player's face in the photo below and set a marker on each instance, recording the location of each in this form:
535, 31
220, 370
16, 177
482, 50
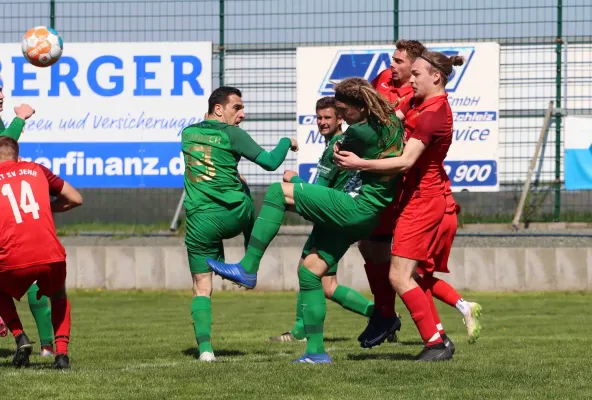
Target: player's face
350, 114
327, 121
401, 67
423, 80
1, 98
234, 111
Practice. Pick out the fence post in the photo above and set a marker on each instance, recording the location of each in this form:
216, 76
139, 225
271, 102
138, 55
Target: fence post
52, 14
221, 45
396, 20
558, 50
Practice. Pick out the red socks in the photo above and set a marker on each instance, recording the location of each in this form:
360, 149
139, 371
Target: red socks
441, 290
60, 319
384, 294
9, 314
416, 302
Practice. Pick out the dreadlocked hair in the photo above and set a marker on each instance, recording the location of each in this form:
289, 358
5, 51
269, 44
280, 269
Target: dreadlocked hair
359, 92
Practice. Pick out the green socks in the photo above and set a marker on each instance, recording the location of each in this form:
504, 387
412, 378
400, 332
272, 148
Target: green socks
201, 313
42, 314
353, 300
298, 330
314, 308
266, 227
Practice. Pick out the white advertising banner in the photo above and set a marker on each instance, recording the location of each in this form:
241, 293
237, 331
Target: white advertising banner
110, 114
473, 93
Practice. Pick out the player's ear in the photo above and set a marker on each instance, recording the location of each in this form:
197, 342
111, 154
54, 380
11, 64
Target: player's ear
218, 110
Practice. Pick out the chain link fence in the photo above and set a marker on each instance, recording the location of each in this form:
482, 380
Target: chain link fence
546, 55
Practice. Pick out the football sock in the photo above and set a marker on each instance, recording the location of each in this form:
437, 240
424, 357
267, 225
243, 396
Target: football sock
201, 313
442, 290
298, 330
428, 294
463, 306
266, 227
416, 302
385, 295
42, 314
60, 319
314, 309
352, 300
9, 314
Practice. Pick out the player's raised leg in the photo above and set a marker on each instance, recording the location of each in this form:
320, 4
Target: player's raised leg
42, 315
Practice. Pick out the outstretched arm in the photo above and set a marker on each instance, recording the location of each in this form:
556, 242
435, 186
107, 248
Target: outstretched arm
243, 144
387, 166
14, 130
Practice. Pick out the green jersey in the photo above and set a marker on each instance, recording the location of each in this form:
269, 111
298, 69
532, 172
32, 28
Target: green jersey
14, 130
212, 151
371, 189
328, 174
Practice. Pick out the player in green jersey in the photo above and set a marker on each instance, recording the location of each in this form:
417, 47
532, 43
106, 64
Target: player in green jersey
341, 218
39, 307
329, 124
218, 203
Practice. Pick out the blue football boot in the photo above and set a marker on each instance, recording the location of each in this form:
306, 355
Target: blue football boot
314, 359
233, 272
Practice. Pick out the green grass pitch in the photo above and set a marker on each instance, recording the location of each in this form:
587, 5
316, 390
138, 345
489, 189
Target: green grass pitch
140, 345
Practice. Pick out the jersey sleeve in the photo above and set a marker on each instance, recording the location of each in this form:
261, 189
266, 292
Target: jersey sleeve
15, 129
242, 143
56, 184
353, 141
384, 76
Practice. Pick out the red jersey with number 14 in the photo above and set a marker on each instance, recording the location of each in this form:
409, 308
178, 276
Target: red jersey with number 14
27, 230
431, 122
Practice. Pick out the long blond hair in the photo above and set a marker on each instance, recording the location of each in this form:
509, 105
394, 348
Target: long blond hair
359, 92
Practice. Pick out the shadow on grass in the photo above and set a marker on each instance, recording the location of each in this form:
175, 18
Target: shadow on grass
6, 353
336, 339
194, 352
381, 356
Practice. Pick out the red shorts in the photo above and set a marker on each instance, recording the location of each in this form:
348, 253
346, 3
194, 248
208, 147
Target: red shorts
439, 249
384, 229
416, 227
50, 278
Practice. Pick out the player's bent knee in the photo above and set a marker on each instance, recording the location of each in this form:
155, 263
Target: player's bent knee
315, 263
288, 189
202, 285
329, 285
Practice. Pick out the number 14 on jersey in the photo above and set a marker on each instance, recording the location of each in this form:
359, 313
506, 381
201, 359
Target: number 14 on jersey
27, 205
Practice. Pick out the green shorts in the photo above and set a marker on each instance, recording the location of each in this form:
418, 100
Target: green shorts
339, 220
207, 229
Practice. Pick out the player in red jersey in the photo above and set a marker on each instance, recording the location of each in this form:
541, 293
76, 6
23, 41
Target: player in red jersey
438, 262
393, 84
29, 247
428, 128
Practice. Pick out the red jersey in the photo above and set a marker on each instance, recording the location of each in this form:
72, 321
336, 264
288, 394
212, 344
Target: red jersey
430, 122
27, 230
400, 96
451, 205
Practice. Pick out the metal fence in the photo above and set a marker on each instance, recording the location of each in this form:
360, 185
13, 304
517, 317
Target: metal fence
546, 54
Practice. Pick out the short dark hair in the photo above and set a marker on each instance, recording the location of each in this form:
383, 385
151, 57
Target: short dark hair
326, 102
221, 95
414, 48
9, 148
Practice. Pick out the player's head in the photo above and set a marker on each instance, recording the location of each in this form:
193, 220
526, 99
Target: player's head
357, 101
226, 105
9, 149
405, 54
328, 120
430, 73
